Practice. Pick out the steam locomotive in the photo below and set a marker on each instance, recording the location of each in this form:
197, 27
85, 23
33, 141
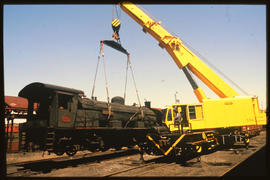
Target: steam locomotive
66, 121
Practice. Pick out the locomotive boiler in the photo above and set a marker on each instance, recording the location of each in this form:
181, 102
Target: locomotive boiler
66, 121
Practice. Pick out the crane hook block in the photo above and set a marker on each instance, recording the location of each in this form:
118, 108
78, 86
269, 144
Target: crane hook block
116, 27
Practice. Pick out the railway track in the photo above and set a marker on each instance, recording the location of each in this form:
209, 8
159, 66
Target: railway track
192, 167
218, 163
142, 169
77, 156
28, 168
149, 163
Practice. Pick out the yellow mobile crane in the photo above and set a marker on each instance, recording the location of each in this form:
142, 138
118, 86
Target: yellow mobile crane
226, 120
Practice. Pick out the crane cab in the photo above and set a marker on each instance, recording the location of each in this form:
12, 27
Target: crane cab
215, 114
178, 116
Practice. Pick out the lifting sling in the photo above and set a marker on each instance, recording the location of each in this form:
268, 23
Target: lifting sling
118, 47
101, 52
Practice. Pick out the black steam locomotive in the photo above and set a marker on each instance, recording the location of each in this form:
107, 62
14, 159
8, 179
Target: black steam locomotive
65, 121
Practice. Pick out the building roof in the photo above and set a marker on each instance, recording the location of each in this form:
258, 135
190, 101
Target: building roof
16, 102
19, 103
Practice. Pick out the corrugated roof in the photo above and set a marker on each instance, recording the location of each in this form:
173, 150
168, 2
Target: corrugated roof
16, 102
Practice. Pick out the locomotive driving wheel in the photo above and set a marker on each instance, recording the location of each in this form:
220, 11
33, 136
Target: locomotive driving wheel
59, 149
71, 150
59, 153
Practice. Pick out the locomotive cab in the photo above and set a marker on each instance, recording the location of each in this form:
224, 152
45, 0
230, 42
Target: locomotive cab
57, 105
66, 107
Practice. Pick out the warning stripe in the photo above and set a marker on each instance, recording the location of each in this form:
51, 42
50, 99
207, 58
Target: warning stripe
174, 144
115, 22
156, 144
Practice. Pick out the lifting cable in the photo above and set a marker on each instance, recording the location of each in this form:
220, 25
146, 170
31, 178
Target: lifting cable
215, 68
121, 49
202, 57
93, 89
116, 10
126, 82
137, 93
101, 52
106, 82
115, 45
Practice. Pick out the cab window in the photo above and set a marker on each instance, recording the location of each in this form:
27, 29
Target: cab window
192, 113
64, 101
169, 117
195, 112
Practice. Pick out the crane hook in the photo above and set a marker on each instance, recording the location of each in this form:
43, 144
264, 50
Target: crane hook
116, 27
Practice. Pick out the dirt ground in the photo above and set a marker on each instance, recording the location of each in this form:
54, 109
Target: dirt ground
213, 164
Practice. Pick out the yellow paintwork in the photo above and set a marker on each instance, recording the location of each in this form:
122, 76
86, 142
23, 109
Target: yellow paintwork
116, 22
174, 144
200, 94
156, 144
181, 55
222, 113
229, 111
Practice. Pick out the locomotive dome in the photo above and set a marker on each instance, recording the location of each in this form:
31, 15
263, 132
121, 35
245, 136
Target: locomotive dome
118, 99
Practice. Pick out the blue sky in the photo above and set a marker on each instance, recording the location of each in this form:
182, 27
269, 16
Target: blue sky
58, 44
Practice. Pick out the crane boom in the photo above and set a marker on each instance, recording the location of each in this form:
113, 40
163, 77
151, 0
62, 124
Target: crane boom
181, 55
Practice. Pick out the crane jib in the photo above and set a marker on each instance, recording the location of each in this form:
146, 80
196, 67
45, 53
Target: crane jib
116, 46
